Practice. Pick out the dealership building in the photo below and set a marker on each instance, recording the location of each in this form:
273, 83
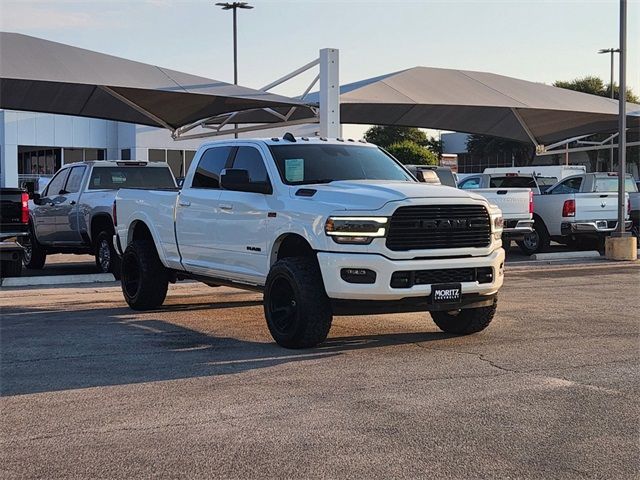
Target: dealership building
36, 145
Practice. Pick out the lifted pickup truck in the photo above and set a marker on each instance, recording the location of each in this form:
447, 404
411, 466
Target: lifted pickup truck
74, 212
14, 218
580, 211
323, 227
513, 193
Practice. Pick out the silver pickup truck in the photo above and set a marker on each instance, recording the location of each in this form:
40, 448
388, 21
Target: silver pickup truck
74, 213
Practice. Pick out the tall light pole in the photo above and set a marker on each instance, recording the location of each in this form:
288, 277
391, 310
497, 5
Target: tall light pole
235, 6
610, 51
622, 120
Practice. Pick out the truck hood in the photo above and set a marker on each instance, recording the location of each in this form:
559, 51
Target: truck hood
374, 194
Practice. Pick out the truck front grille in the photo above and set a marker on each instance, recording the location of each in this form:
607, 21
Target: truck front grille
439, 226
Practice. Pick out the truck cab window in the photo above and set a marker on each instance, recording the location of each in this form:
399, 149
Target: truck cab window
571, 185
470, 183
250, 159
213, 161
57, 183
75, 180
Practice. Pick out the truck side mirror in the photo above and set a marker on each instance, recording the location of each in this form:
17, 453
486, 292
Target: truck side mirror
35, 196
238, 180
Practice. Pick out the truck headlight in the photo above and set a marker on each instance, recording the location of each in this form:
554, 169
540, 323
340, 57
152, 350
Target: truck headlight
356, 230
498, 225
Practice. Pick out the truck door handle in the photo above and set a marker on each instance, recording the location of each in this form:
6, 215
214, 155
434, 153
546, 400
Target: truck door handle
184, 203
72, 202
226, 206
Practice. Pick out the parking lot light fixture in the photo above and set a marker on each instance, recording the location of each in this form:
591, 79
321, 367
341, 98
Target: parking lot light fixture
235, 6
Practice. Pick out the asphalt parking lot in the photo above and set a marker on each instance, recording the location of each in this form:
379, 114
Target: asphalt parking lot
92, 389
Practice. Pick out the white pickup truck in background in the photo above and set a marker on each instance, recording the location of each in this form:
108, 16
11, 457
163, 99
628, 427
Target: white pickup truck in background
513, 194
322, 227
579, 211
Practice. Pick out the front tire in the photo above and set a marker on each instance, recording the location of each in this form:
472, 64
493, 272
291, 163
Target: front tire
143, 278
467, 321
296, 306
107, 259
35, 255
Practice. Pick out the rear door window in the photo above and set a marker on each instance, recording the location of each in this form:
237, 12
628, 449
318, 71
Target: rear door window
610, 184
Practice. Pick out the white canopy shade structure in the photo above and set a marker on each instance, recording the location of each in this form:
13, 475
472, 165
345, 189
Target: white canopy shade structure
42, 76
481, 103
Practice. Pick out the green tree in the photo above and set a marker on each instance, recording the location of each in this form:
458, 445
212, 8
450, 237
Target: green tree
410, 153
487, 146
595, 86
384, 136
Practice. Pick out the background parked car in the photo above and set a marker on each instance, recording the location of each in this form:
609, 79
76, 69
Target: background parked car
431, 174
74, 214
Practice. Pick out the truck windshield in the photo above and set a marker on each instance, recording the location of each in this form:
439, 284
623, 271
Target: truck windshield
113, 178
300, 164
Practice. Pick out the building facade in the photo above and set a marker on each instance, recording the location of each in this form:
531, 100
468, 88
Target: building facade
34, 146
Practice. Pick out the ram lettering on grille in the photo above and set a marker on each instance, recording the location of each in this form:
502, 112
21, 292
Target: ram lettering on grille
439, 227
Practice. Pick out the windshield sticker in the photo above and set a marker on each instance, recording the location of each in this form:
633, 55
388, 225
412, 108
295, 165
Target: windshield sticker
294, 169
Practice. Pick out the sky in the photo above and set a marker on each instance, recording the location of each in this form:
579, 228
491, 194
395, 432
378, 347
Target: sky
539, 40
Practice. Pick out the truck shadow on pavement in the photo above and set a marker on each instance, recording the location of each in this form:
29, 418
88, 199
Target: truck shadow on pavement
46, 350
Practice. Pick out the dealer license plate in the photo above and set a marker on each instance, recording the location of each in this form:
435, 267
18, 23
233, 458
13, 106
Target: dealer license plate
446, 293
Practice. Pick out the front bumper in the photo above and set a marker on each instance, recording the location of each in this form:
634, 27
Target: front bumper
591, 226
331, 265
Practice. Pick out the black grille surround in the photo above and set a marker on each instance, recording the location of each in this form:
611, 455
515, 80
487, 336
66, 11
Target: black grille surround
439, 226
407, 279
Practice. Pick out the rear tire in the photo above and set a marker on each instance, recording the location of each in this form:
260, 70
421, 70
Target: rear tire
296, 306
536, 241
143, 278
10, 268
107, 259
467, 321
35, 255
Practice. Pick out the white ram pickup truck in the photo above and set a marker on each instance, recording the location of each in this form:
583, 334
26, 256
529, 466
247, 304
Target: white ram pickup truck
513, 194
322, 227
581, 210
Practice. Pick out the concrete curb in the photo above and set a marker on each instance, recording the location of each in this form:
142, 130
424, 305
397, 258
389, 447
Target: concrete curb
55, 280
566, 255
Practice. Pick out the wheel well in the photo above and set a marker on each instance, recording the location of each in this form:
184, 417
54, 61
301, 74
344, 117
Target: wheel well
537, 219
101, 223
140, 231
291, 245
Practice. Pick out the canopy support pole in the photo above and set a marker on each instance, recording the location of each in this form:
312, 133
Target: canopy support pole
329, 94
525, 128
137, 107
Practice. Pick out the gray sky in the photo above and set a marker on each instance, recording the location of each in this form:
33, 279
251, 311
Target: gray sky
538, 40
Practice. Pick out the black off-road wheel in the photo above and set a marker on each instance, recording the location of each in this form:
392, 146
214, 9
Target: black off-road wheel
107, 259
143, 278
10, 268
536, 241
296, 306
35, 255
467, 321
